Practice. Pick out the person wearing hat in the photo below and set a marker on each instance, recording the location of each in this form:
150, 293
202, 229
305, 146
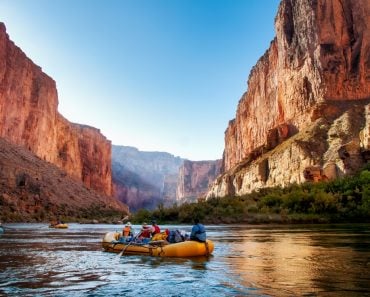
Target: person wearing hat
127, 230
145, 231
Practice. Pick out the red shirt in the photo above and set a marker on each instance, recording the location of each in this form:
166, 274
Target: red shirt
145, 233
155, 229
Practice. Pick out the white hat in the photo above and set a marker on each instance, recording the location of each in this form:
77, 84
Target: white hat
128, 224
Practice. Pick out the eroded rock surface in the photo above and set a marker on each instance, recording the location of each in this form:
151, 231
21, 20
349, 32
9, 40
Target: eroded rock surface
315, 74
29, 117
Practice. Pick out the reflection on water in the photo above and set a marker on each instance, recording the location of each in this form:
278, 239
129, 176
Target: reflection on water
247, 261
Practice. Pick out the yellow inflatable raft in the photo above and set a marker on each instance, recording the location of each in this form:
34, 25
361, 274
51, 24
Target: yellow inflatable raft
158, 248
59, 226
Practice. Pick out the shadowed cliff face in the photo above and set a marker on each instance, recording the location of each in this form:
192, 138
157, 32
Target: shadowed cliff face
32, 189
29, 117
144, 179
194, 179
147, 179
316, 69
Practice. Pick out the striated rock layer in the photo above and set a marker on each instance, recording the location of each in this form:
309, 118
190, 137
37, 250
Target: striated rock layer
316, 69
326, 149
32, 189
149, 179
320, 53
29, 117
144, 179
194, 179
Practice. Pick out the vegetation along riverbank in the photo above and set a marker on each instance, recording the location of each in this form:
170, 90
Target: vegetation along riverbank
341, 200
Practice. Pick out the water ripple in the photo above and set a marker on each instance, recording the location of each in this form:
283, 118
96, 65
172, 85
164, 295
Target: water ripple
247, 261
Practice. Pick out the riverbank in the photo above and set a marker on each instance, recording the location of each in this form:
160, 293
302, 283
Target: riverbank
343, 200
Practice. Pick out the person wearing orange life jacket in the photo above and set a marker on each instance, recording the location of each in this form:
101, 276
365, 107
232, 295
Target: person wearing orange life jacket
127, 231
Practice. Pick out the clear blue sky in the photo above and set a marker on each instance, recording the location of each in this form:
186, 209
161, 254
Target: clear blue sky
160, 75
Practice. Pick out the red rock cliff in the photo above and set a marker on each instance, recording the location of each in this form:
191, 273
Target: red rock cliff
321, 53
305, 115
29, 117
194, 179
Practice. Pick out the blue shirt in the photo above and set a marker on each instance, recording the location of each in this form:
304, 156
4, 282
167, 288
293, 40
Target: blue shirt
198, 232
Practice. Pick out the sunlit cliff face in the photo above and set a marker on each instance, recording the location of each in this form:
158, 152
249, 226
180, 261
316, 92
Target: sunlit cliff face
320, 54
316, 72
29, 117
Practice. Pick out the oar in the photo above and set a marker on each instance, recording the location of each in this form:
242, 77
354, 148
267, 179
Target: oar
121, 253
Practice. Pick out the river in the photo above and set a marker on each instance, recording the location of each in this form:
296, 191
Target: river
248, 260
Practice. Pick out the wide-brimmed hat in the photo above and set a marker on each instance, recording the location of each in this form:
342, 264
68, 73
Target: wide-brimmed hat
128, 224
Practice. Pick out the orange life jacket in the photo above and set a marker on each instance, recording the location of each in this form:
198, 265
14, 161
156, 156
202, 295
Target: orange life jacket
126, 231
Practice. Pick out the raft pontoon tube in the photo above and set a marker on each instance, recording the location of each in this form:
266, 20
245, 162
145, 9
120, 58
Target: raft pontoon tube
183, 249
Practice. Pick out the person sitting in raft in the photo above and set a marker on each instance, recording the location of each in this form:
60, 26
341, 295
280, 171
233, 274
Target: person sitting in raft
156, 233
198, 232
155, 228
127, 231
145, 233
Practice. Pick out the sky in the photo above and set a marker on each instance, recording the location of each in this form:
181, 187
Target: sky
159, 75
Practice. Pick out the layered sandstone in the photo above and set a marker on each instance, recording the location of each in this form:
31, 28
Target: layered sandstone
29, 117
144, 179
32, 189
326, 149
316, 72
320, 54
194, 179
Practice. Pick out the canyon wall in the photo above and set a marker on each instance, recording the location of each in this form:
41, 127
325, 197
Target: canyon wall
194, 179
169, 189
32, 189
320, 53
326, 149
29, 117
144, 179
148, 179
315, 73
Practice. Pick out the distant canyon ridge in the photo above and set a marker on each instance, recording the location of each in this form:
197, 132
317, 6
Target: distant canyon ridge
148, 179
305, 116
